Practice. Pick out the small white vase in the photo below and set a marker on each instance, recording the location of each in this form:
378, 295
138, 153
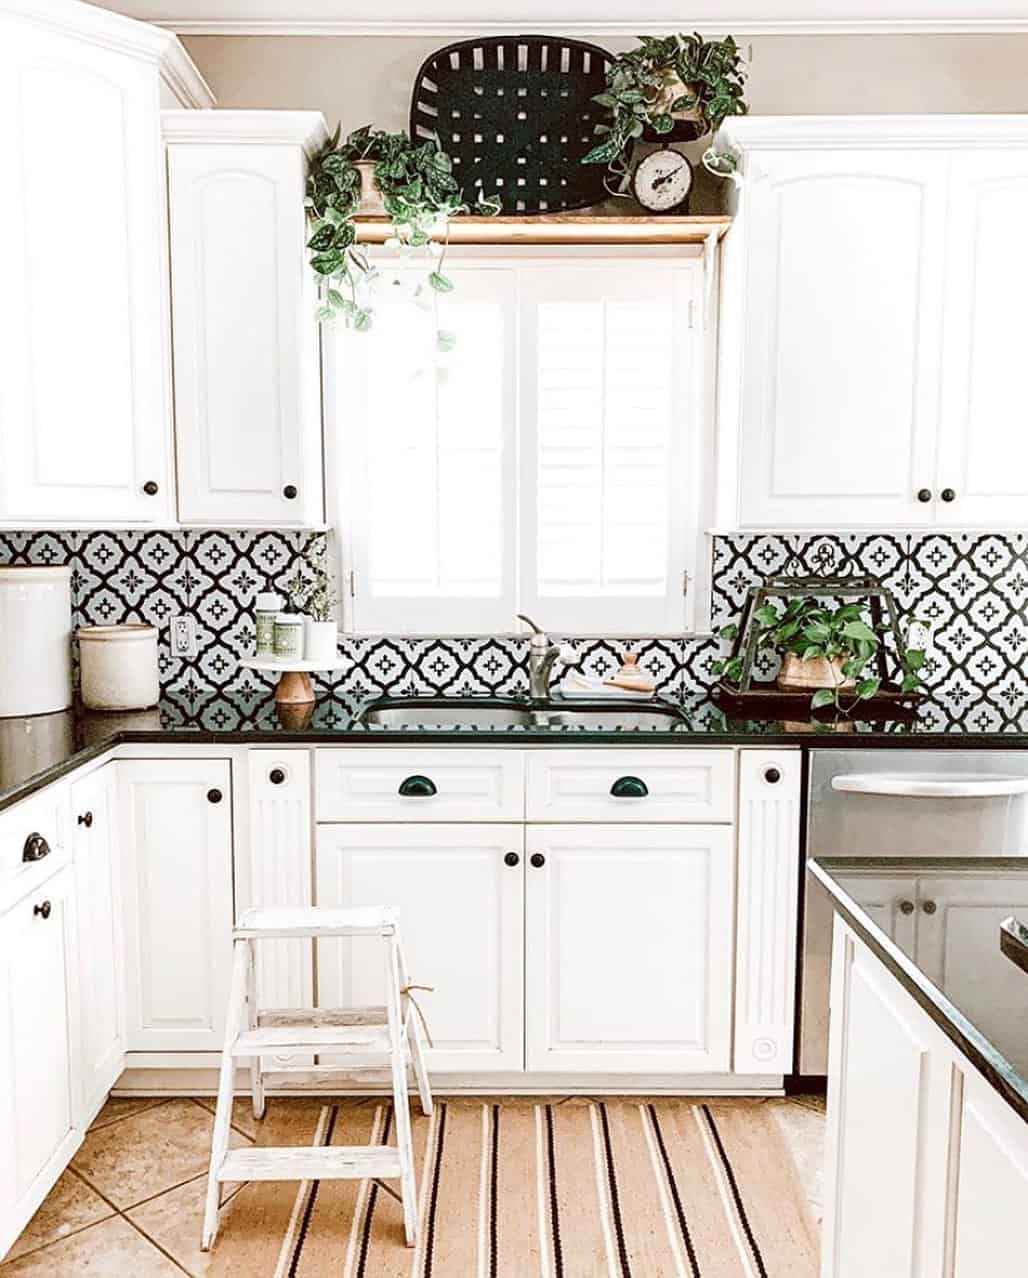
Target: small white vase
320, 640
371, 199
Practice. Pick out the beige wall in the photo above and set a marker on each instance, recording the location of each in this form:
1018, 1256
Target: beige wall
367, 79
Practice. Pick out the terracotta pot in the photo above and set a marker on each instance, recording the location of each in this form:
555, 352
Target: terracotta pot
371, 201
673, 87
816, 672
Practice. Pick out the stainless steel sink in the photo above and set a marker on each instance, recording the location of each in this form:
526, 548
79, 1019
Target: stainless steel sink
490, 714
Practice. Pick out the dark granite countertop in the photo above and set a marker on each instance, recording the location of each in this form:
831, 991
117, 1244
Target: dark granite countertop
981, 1005
37, 750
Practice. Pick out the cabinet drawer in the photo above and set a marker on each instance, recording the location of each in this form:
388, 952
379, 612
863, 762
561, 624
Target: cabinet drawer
631, 785
35, 829
419, 785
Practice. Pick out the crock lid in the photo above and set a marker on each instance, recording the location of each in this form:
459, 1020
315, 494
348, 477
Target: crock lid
128, 630
34, 572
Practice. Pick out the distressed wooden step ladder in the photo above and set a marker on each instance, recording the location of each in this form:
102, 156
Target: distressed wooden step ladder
356, 1039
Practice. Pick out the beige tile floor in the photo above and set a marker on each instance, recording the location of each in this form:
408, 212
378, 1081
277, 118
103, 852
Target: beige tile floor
131, 1202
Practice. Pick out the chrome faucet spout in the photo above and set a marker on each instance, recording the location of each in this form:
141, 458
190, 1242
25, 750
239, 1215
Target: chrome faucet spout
542, 653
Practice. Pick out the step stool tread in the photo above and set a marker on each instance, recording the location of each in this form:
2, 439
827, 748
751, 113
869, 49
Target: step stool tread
311, 1162
364, 1039
315, 920
273, 1016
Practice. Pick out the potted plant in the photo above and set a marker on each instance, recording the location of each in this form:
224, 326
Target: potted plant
416, 188
311, 592
825, 650
671, 85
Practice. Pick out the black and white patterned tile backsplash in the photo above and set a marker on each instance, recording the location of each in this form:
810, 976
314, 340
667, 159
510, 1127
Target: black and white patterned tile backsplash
970, 588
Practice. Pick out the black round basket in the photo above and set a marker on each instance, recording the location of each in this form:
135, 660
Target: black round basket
516, 115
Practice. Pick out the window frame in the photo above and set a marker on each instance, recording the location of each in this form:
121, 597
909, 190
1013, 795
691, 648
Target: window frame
684, 606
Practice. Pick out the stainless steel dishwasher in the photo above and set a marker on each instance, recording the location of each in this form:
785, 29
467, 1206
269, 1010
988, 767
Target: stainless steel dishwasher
898, 803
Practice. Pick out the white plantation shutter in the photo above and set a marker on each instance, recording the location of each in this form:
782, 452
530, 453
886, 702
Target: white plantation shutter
605, 414
543, 466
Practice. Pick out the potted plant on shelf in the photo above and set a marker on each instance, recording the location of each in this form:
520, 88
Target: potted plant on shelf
671, 86
825, 650
311, 592
415, 186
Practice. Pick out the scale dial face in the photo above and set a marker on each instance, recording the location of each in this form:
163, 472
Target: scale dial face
662, 180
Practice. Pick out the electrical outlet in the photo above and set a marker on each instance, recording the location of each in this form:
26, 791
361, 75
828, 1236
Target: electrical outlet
183, 637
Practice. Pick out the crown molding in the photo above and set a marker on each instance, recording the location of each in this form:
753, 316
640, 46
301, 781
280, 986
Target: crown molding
254, 128
461, 30
841, 132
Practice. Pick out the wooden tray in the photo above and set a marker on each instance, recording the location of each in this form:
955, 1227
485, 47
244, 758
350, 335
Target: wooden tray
766, 701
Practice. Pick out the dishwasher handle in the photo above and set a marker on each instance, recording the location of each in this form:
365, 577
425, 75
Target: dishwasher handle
914, 785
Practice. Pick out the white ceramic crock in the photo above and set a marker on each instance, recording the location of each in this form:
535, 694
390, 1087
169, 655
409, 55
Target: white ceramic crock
320, 640
35, 640
118, 667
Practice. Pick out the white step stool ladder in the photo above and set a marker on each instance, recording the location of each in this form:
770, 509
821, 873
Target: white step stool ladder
368, 1038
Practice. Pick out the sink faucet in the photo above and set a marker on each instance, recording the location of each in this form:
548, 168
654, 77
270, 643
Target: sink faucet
542, 653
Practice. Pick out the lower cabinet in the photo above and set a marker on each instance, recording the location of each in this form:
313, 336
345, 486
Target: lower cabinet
38, 1049
177, 884
459, 893
629, 941
94, 809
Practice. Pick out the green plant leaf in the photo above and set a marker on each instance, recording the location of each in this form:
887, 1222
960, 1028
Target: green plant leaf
914, 658
859, 630
823, 697
867, 688
362, 320
811, 652
441, 283
910, 683
662, 123
729, 632
445, 340
767, 616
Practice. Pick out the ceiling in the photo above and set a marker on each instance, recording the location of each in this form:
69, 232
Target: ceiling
404, 17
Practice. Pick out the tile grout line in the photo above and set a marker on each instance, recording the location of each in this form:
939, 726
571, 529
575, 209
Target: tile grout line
210, 1110
113, 1122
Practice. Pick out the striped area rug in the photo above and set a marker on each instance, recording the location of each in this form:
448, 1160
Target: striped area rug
616, 1188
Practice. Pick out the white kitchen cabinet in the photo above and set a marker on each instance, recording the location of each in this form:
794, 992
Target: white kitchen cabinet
85, 417
983, 440
39, 1011
891, 901
629, 937
459, 894
177, 887
94, 803
245, 339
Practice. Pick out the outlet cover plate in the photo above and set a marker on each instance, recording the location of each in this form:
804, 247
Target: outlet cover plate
183, 637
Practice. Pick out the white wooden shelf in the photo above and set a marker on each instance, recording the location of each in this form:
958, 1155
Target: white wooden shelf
565, 228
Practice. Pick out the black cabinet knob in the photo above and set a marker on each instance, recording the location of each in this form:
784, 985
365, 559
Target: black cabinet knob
150, 488
43, 910
214, 796
929, 907
772, 776
948, 494
512, 859
86, 819
629, 788
538, 860
36, 847
276, 776
417, 787
924, 494
906, 907
289, 492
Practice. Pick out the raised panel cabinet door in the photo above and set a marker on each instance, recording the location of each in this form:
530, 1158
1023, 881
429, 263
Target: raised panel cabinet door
629, 937
85, 419
459, 894
94, 805
177, 888
983, 446
838, 378
247, 407
38, 1051
888, 1124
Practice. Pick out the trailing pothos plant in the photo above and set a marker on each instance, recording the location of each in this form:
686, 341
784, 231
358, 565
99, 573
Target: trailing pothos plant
840, 636
664, 80
420, 195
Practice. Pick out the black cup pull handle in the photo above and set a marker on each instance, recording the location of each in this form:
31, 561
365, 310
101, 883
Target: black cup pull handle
417, 787
629, 788
214, 796
36, 847
43, 910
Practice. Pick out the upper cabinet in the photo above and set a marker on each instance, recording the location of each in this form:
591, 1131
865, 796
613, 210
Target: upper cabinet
869, 331
85, 425
247, 388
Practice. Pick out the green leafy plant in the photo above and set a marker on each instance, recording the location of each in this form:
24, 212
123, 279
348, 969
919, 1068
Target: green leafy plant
311, 589
663, 78
841, 636
420, 195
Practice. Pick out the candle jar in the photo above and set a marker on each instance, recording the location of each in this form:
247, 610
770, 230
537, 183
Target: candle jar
288, 637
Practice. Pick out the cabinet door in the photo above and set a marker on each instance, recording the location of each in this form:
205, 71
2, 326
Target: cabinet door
840, 336
84, 400
38, 1053
958, 950
891, 901
98, 901
983, 453
888, 1132
461, 916
177, 885
247, 398
629, 941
